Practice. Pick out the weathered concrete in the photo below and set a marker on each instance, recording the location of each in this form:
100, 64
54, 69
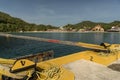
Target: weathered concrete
87, 70
115, 65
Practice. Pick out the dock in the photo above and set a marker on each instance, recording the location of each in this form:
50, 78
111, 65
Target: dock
79, 44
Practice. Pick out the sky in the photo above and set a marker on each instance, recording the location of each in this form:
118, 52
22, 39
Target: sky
62, 12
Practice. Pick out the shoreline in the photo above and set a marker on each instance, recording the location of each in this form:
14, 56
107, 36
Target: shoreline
60, 32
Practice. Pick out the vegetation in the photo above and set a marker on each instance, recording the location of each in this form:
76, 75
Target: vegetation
12, 24
88, 25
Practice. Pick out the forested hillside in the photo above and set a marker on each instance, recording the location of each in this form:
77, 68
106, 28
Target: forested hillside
89, 25
12, 24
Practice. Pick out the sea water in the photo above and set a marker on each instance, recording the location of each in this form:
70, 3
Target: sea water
13, 47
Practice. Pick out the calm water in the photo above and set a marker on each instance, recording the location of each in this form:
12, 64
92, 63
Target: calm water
12, 47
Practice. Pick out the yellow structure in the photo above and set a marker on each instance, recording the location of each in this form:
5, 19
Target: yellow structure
97, 57
53, 69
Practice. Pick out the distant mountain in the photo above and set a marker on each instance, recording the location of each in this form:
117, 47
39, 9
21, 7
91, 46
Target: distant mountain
89, 25
13, 24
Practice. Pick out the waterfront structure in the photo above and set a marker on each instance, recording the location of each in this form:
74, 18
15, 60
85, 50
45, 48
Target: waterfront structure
81, 30
70, 67
114, 29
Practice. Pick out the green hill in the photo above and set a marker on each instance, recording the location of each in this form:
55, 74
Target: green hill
12, 24
89, 25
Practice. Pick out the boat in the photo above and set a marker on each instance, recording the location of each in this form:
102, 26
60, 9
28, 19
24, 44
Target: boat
114, 29
23, 68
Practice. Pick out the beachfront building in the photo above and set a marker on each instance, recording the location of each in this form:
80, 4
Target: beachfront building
54, 30
81, 30
98, 28
114, 29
